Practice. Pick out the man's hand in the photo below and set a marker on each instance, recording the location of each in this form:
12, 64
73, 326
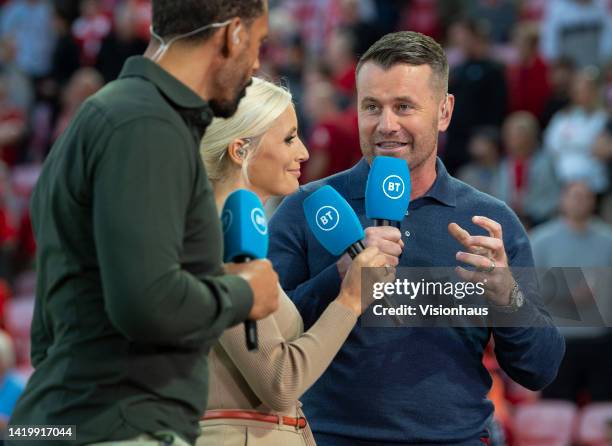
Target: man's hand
386, 238
488, 255
263, 281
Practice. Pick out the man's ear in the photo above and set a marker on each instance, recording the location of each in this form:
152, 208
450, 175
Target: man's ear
446, 112
233, 38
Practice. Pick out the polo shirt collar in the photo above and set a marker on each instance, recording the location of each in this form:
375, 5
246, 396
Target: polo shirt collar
171, 87
443, 189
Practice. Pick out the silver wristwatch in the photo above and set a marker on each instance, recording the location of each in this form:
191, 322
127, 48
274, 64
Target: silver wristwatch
517, 300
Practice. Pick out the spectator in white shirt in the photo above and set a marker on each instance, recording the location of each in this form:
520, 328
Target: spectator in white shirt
571, 134
579, 29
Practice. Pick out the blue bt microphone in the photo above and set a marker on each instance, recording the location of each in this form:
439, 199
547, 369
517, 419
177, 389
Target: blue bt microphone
333, 222
388, 189
245, 237
335, 225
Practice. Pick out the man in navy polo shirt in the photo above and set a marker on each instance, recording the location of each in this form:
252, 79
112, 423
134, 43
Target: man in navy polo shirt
414, 385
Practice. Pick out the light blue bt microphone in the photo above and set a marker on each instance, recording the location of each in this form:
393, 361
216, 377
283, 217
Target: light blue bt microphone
388, 190
245, 237
333, 222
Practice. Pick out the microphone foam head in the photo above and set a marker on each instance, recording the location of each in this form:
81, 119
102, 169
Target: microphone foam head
245, 227
388, 189
332, 220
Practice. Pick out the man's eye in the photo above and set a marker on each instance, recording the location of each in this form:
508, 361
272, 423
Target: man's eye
404, 107
371, 107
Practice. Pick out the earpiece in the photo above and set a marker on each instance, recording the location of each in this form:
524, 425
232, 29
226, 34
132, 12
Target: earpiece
241, 151
235, 35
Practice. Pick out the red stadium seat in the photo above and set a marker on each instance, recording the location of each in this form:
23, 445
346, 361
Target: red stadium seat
592, 424
544, 423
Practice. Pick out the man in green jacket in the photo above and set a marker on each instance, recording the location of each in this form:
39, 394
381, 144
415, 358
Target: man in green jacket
131, 287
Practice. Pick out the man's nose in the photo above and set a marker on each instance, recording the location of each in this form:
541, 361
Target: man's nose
388, 122
256, 65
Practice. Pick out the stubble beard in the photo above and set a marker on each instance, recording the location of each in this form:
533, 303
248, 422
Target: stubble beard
413, 156
226, 108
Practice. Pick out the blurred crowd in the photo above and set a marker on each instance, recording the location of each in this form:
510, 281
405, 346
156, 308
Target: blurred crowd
532, 123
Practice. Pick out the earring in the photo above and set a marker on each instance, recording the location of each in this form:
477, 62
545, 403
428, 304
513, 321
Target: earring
241, 153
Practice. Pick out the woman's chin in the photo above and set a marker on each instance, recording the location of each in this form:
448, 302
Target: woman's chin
288, 188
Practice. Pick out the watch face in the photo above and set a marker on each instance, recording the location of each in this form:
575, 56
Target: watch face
519, 299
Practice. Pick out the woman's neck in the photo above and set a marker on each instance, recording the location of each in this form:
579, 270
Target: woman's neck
224, 187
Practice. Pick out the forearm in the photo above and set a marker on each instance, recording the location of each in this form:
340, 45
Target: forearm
281, 371
178, 309
530, 352
312, 296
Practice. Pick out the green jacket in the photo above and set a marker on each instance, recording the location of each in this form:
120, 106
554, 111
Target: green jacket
131, 292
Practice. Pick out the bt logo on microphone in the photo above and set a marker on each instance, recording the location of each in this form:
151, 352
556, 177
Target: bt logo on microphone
259, 221
393, 187
226, 219
327, 218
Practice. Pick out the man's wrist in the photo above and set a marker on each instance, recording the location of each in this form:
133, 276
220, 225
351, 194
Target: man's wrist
515, 303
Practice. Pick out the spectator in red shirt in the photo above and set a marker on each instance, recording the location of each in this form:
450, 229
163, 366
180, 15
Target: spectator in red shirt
141, 9
26, 244
5, 294
528, 85
334, 139
422, 16
90, 29
340, 57
8, 232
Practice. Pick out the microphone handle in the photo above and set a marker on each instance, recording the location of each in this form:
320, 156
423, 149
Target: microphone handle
383, 222
250, 327
388, 300
354, 250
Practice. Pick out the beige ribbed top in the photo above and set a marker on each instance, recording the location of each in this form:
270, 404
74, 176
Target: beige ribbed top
287, 363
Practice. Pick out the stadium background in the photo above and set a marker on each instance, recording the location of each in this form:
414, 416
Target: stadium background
533, 81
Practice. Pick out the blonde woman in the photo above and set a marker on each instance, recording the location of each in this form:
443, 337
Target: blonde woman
253, 396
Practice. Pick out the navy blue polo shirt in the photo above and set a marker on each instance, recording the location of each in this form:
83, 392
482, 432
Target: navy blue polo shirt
402, 385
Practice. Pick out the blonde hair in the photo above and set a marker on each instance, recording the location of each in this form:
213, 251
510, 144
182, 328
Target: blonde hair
258, 109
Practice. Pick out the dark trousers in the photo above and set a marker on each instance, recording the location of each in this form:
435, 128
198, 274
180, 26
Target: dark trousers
336, 440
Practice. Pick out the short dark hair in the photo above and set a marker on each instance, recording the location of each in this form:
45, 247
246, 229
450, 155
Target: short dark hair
174, 17
408, 47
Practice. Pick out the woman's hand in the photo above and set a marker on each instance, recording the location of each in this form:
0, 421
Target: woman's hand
350, 291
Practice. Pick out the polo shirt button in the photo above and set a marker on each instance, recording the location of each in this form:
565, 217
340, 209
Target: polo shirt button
407, 233
407, 213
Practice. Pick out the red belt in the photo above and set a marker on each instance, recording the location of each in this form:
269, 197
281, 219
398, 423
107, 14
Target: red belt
299, 422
